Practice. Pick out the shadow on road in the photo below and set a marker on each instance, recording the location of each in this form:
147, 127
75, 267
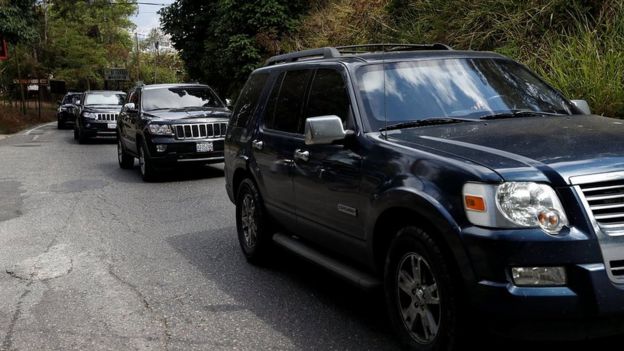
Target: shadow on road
299, 299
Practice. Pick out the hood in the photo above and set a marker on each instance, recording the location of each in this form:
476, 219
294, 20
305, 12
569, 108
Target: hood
185, 116
531, 149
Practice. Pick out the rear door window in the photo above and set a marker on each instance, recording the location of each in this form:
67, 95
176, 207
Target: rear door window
285, 109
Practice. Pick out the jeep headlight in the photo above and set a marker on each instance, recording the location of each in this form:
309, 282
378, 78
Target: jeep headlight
89, 115
514, 205
160, 129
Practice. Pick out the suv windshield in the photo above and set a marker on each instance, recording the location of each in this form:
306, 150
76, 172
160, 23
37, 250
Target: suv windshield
466, 88
104, 99
70, 99
180, 98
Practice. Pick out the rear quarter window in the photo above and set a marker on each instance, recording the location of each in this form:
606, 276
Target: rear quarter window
285, 108
247, 102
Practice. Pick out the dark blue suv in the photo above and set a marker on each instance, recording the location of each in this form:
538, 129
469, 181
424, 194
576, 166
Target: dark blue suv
471, 190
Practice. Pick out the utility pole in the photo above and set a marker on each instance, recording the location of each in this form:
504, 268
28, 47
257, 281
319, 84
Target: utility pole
19, 78
156, 46
138, 52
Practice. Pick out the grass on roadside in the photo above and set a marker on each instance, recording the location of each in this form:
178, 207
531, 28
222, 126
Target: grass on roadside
12, 120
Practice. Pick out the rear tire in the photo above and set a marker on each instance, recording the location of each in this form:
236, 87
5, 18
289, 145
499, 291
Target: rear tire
147, 171
252, 223
126, 161
420, 296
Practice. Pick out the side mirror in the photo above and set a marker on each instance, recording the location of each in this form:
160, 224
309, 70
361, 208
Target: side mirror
324, 130
229, 103
78, 102
129, 107
583, 106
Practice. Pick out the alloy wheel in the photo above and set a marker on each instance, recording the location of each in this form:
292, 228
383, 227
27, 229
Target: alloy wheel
248, 220
142, 160
418, 298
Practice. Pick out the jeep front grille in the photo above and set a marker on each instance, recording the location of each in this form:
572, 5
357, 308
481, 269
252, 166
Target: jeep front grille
107, 116
606, 202
200, 130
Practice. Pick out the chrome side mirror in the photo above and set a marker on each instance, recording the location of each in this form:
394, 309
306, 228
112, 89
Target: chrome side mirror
323, 130
229, 103
583, 106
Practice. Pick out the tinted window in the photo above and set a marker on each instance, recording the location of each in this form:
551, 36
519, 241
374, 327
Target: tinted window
104, 98
467, 88
328, 95
288, 107
134, 98
248, 99
181, 97
71, 98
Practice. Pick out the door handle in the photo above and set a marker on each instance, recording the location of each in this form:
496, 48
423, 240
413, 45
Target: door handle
257, 144
302, 155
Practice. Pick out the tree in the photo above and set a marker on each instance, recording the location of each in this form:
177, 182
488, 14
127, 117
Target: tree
222, 41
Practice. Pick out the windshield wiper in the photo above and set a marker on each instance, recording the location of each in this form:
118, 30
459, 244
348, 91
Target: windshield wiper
426, 122
520, 113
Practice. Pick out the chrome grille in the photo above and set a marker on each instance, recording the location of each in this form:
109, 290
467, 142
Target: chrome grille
107, 116
606, 202
200, 130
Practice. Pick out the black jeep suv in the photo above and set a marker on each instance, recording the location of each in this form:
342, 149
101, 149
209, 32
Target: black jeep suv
457, 180
97, 114
166, 125
68, 107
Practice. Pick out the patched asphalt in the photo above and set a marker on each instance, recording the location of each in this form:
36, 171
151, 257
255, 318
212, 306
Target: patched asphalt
92, 258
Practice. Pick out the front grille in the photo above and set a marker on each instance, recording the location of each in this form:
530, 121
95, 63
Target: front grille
107, 116
200, 130
606, 201
617, 268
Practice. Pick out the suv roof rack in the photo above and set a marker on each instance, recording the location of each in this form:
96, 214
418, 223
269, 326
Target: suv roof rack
334, 52
322, 53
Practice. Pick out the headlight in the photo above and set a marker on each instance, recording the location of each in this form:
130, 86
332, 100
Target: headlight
62, 109
89, 115
514, 205
160, 129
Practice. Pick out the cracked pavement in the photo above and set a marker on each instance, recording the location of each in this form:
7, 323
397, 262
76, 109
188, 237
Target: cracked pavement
92, 258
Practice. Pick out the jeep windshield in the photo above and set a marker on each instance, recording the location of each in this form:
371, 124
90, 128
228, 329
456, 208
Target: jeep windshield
453, 91
116, 99
182, 99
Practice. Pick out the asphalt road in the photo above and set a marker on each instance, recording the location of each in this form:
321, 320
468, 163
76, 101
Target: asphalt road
92, 258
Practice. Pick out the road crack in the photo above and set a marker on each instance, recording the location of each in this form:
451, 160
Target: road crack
159, 317
7, 343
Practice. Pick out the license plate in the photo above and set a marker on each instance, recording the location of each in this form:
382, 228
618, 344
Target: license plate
204, 147
112, 125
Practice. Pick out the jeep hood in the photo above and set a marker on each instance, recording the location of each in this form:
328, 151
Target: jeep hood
549, 149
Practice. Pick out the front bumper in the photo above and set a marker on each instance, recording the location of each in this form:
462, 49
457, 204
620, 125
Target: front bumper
180, 152
589, 298
95, 128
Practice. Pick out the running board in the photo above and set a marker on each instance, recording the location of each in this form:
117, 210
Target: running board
353, 275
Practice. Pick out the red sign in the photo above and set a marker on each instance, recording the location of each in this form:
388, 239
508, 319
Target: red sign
4, 53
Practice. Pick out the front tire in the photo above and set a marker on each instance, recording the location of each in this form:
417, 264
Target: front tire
126, 161
60, 125
148, 173
82, 138
419, 292
75, 132
252, 224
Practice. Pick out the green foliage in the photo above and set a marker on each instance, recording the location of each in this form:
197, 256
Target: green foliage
222, 41
18, 21
85, 38
574, 44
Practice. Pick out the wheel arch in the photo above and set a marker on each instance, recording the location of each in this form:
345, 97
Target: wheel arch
401, 207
